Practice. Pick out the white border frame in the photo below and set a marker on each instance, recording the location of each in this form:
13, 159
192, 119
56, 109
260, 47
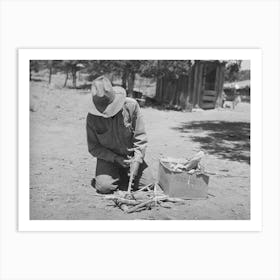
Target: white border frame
254, 224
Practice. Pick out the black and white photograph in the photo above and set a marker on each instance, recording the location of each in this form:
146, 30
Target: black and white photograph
140, 139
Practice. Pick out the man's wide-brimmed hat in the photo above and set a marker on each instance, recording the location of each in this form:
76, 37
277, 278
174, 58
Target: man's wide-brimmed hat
115, 95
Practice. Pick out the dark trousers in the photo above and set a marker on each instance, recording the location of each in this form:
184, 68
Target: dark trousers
110, 177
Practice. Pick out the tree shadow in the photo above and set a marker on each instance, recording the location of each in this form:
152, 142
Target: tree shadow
84, 86
152, 103
228, 140
37, 79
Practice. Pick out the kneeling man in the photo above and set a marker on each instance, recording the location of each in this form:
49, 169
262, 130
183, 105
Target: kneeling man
116, 137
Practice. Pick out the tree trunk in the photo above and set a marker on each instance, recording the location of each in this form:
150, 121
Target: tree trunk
159, 81
74, 76
50, 74
124, 79
130, 84
66, 79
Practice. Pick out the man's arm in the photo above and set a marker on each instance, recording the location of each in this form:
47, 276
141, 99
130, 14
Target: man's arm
139, 141
140, 136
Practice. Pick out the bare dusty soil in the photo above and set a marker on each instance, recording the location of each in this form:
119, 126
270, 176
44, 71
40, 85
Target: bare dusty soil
61, 167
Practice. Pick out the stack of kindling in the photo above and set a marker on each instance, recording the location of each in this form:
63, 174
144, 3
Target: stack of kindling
146, 198
181, 165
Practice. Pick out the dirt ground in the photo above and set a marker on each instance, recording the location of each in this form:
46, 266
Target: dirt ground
61, 167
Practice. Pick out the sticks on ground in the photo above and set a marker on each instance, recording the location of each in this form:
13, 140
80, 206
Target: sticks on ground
149, 200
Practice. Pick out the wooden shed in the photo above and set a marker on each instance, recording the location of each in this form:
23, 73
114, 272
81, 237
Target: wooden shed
201, 88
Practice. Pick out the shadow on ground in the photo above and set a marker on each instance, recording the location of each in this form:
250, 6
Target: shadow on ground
37, 79
152, 103
228, 140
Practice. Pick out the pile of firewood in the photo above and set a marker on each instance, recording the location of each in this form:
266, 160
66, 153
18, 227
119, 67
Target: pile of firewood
181, 165
145, 198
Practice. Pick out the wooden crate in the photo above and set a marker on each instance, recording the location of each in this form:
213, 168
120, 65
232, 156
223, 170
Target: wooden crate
184, 185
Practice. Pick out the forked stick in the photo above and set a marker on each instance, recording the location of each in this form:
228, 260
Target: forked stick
145, 187
135, 208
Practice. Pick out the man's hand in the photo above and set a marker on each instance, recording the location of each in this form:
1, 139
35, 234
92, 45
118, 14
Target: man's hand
132, 162
121, 161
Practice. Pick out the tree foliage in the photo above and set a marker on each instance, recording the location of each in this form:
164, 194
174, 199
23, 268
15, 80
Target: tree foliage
126, 69
167, 68
232, 70
72, 67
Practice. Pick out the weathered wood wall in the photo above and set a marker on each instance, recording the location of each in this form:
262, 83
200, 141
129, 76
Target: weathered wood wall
188, 92
172, 91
